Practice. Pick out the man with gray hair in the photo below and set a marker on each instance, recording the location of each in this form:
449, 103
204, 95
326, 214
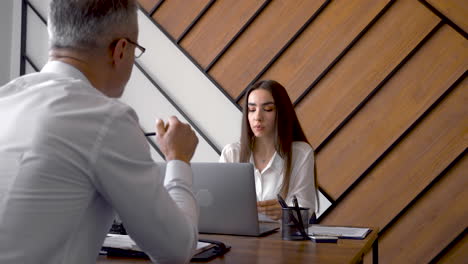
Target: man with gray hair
71, 155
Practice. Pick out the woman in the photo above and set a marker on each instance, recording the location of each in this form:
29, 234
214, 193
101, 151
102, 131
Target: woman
272, 139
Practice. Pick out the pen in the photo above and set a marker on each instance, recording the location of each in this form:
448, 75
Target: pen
299, 217
281, 201
150, 134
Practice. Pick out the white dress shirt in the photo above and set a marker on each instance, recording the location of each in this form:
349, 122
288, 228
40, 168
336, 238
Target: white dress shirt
268, 181
70, 158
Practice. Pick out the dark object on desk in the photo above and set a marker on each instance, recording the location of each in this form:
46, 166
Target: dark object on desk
300, 213
219, 249
313, 219
293, 228
118, 228
324, 239
150, 134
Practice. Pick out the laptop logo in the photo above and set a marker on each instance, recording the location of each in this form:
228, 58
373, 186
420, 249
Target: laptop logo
204, 198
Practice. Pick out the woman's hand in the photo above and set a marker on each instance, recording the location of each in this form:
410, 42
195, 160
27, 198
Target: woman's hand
270, 208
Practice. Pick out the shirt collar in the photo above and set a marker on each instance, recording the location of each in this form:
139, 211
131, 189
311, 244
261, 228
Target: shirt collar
276, 163
65, 69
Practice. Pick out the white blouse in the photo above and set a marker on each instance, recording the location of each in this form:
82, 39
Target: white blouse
268, 181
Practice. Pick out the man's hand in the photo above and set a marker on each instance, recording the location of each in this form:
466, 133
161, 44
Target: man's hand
270, 208
176, 140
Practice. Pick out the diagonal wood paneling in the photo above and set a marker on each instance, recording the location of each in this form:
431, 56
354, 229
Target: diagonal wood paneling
217, 28
407, 95
380, 102
456, 253
455, 10
260, 42
438, 215
393, 37
176, 15
322, 41
148, 4
416, 161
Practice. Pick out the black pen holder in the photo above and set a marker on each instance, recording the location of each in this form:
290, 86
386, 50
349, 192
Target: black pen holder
291, 221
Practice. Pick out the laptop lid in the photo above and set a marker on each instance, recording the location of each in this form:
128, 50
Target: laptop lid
227, 199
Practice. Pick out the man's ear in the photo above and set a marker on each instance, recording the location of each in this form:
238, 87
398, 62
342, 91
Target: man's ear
118, 52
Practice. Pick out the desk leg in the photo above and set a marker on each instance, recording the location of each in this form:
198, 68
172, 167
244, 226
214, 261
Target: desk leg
375, 252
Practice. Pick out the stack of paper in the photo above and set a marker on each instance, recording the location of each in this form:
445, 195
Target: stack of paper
339, 231
125, 242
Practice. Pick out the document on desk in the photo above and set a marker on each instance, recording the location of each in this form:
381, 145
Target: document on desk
339, 231
125, 242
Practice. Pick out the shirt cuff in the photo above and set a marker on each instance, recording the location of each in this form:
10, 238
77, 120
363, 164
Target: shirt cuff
178, 171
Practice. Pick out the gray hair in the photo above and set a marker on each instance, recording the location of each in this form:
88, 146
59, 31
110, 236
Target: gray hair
89, 24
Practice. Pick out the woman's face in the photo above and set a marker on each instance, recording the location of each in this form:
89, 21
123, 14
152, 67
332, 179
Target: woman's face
261, 113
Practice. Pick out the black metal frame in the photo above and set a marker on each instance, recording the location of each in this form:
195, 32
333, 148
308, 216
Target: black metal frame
37, 12
375, 251
24, 24
25, 4
26, 59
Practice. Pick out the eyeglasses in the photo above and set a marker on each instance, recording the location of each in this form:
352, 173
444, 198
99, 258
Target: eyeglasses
140, 49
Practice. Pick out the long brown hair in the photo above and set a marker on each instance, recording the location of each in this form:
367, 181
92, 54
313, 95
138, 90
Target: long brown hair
290, 129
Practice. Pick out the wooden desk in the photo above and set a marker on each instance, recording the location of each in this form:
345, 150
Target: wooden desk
271, 249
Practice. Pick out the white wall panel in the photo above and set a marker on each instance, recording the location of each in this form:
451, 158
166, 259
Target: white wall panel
150, 104
28, 68
42, 6
37, 40
324, 204
15, 51
6, 19
193, 92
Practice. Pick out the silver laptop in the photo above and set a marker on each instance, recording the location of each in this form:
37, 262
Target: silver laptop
226, 195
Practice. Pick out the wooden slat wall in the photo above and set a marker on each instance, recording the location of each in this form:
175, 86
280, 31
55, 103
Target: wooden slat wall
455, 10
381, 122
323, 42
379, 51
457, 253
147, 4
176, 23
380, 88
427, 220
217, 28
260, 42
